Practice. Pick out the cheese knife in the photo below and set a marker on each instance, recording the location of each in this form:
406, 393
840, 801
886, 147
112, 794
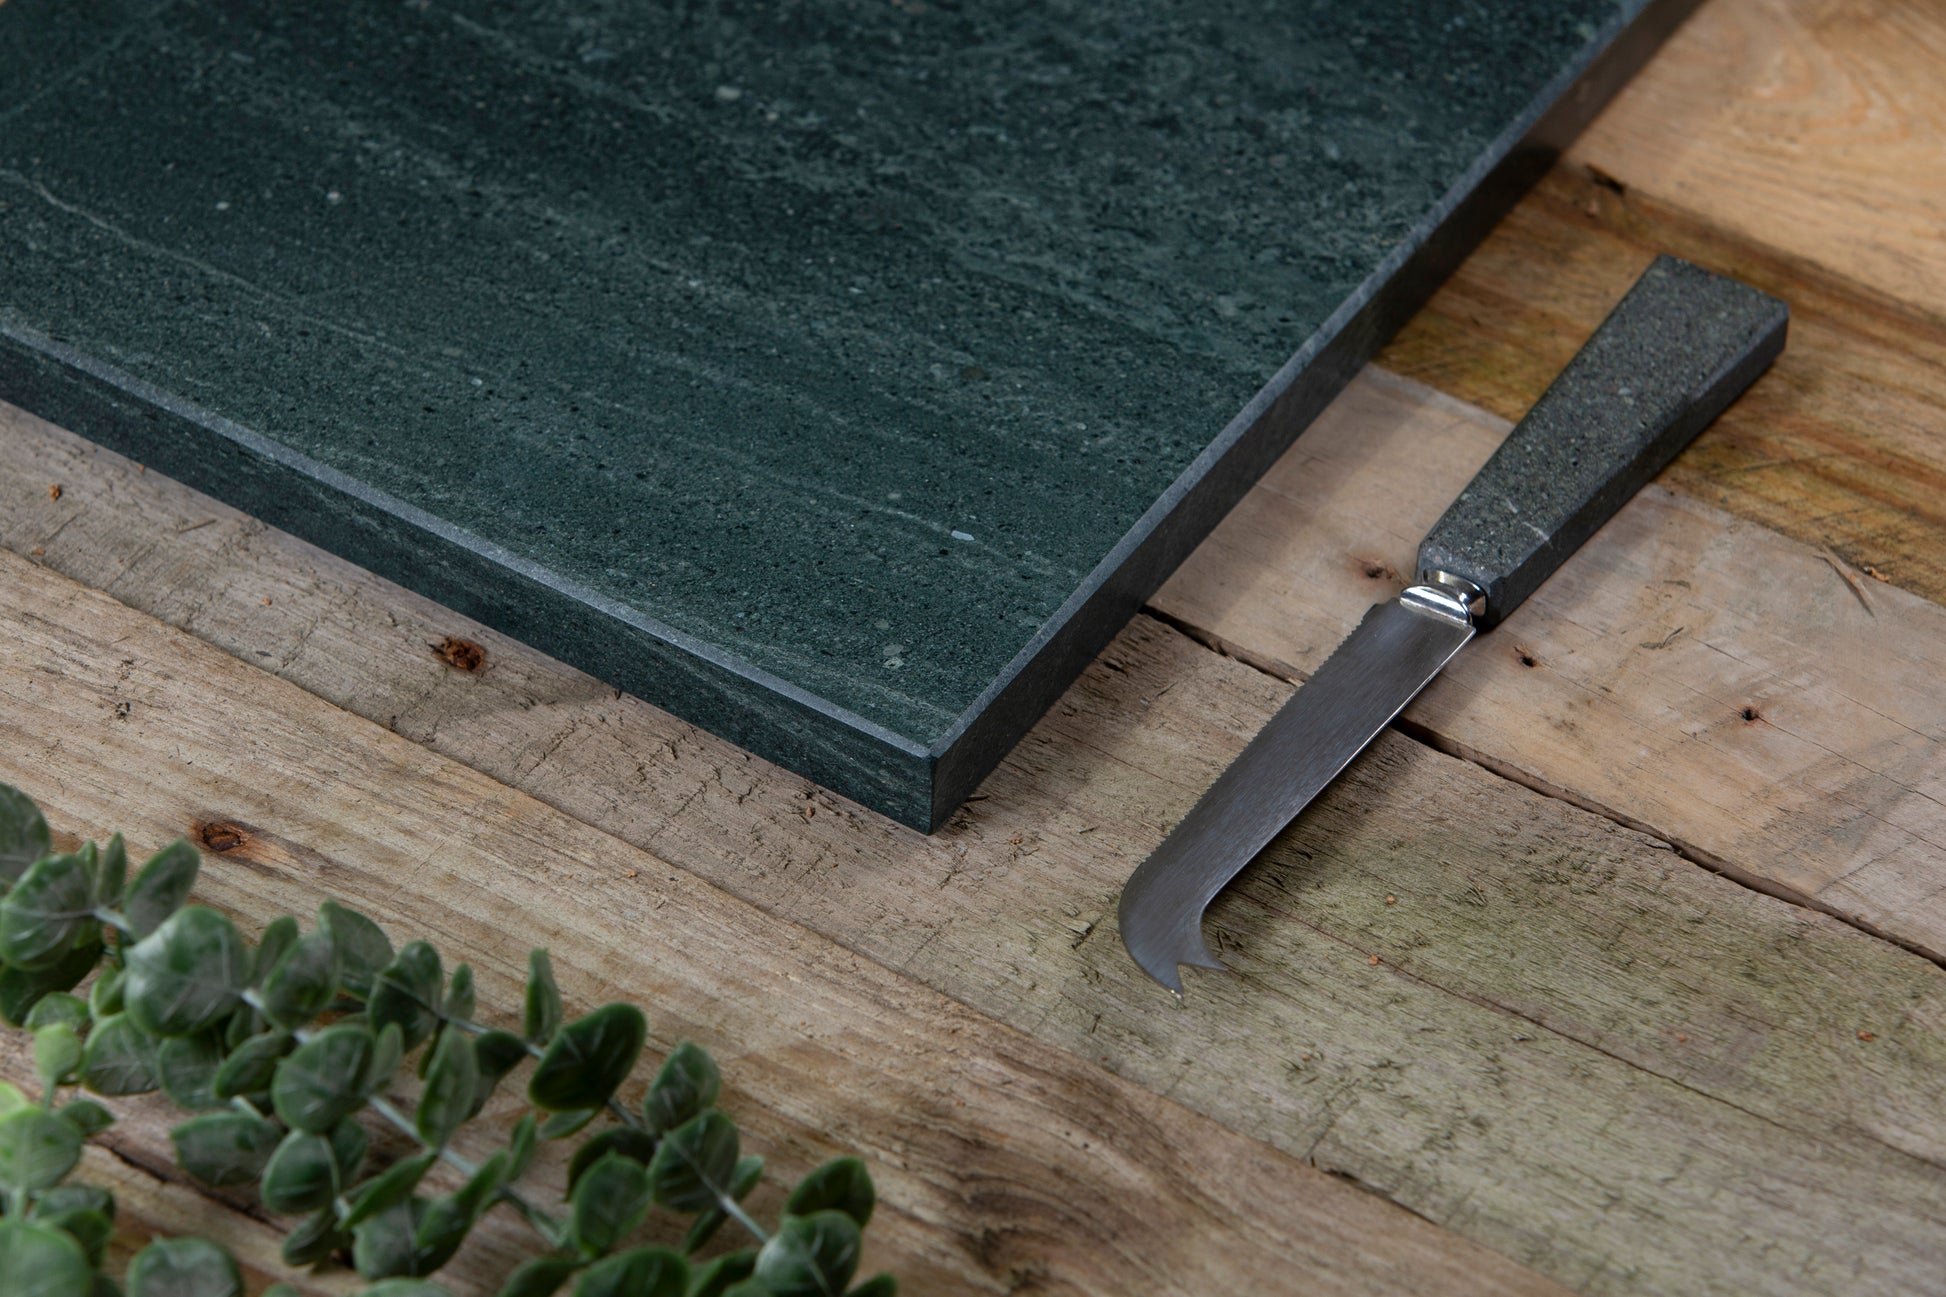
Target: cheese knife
1679, 348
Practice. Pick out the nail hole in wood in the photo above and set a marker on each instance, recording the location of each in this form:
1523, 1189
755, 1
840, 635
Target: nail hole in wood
460, 654
221, 836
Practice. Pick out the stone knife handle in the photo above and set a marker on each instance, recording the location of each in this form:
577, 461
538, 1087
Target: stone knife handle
1678, 349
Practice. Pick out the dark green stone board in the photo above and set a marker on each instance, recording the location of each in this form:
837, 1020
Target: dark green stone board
840, 376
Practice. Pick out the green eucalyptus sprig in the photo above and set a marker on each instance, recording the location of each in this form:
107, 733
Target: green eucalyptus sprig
285, 1051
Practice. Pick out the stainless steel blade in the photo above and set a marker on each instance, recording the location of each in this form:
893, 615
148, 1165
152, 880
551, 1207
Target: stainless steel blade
1395, 651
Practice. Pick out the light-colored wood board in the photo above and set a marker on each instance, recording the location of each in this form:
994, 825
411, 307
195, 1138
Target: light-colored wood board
1817, 127
1842, 443
1004, 1163
1721, 685
1549, 1056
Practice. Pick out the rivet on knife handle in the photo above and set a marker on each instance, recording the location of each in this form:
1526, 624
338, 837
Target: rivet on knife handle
1678, 349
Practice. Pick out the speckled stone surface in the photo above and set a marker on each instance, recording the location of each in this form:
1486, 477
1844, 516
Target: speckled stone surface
838, 375
1672, 355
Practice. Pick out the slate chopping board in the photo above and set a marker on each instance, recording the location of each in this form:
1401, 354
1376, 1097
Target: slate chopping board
838, 375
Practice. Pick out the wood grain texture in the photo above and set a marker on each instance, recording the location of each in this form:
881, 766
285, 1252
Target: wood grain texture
1810, 126
1003, 1163
1702, 677
1574, 1046
1842, 443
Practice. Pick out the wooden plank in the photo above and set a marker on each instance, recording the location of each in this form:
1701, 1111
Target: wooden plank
1687, 672
1841, 444
1552, 1054
1809, 126
1003, 1163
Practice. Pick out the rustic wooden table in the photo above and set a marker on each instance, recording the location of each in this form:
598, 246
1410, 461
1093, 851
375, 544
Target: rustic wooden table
1615, 966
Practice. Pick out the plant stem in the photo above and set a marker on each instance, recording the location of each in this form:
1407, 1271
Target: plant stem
551, 1229
734, 1210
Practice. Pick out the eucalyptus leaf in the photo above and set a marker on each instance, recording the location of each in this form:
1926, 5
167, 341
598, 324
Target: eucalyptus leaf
560, 1125
387, 1190
23, 833
105, 996
37, 1149
406, 992
160, 888
42, 1261
520, 1147
86, 1116
225, 1148
243, 1023
839, 1185
120, 1058
301, 1176
628, 1141
324, 1079
439, 1231
58, 1007
540, 1276
90, 1228
281, 934
386, 1054
478, 1193
48, 912
349, 1142
694, 1164
302, 984
715, 1278
609, 1202
187, 974
451, 1083
879, 1285
383, 1245
498, 1053
810, 1256
12, 1098
406, 1288
183, 1267
748, 1171
638, 1272
21, 989
65, 1197
461, 997
687, 1083
188, 1066
57, 1052
314, 1239
543, 1012
111, 874
363, 948
251, 1066
588, 1058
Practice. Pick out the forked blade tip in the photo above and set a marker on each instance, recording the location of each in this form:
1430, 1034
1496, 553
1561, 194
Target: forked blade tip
1165, 969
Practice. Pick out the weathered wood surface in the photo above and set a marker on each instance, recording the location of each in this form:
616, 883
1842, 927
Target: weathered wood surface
1576, 1047
1004, 1163
1716, 683
1808, 126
